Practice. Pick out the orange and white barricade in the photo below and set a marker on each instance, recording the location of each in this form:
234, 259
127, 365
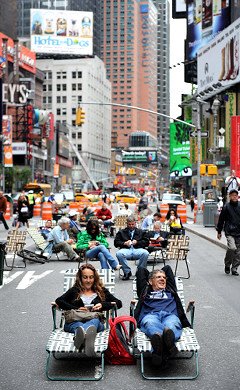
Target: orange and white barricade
164, 208
7, 215
182, 212
37, 210
47, 211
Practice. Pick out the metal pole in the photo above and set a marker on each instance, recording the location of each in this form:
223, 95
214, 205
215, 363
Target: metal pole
215, 107
199, 217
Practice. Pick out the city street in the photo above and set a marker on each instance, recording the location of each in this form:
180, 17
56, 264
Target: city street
26, 325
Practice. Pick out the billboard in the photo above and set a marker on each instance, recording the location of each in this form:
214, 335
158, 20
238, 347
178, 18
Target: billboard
218, 62
61, 32
179, 9
180, 164
7, 140
142, 156
235, 145
205, 19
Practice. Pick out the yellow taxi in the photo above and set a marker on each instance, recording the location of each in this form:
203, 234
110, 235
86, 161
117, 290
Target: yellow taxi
81, 197
127, 198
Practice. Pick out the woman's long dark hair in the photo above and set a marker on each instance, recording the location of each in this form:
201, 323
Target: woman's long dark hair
93, 223
97, 285
169, 214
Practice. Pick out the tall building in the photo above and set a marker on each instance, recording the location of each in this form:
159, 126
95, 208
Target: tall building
8, 18
163, 85
68, 82
129, 39
24, 7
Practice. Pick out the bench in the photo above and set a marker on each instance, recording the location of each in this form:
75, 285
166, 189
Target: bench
61, 343
187, 345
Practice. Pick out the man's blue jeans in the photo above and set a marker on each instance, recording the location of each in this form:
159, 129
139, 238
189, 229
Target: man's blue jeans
156, 322
103, 255
132, 254
72, 326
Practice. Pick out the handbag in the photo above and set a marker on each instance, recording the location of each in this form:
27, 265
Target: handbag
81, 315
24, 210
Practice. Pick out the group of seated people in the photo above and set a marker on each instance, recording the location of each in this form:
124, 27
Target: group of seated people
132, 242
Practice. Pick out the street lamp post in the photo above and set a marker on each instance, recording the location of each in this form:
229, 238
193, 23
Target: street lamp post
215, 108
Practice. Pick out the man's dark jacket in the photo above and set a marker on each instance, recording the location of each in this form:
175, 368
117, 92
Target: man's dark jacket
125, 235
143, 287
229, 219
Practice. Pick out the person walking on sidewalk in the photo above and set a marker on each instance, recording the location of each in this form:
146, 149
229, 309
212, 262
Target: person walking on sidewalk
3, 209
229, 220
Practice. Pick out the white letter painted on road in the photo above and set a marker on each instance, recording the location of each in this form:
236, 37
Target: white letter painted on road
29, 279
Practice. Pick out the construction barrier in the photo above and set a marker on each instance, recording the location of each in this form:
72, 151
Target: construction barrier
195, 212
47, 211
163, 211
37, 210
7, 215
182, 212
74, 206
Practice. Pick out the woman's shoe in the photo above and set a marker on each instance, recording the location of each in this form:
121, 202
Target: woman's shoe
79, 338
90, 340
118, 267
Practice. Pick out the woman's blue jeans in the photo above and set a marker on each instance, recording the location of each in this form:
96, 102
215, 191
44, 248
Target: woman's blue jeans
103, 255
156, 322
72, 326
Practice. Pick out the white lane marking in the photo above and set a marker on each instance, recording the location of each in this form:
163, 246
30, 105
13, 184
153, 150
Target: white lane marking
7, 279
30, 278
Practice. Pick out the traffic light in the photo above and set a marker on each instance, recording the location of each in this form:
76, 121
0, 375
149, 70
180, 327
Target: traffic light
80, 116
212, 169
208, 169
203, 169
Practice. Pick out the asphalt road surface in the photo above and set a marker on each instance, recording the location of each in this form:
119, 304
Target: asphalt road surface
26, 325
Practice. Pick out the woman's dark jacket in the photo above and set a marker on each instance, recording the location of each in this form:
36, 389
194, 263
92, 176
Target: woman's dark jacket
143, 287
125, 235
69, 300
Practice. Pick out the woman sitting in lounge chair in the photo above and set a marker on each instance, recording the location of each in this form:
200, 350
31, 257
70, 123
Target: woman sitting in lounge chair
87, 294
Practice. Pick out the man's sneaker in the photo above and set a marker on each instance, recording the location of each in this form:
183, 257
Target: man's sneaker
169, 342
79, 338
227, 269
117, 267
90, 340
235, 273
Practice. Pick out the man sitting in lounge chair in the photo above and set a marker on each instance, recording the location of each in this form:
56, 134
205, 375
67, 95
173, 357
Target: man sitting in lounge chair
159, 311
60, 239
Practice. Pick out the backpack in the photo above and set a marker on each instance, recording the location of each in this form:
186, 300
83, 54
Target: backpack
118, 351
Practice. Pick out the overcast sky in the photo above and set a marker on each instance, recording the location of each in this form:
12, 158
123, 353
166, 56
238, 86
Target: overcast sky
177, 85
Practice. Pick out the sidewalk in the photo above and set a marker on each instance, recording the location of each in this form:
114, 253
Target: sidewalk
209, 233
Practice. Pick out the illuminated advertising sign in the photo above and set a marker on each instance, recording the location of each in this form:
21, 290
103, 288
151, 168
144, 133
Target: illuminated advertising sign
7, 140
179, 9
218, 62
26, 58
141, 156
235, 145
205, 19
61, 32
180, 164
63, 146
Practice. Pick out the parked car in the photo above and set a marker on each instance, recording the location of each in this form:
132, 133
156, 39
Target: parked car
173, 200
